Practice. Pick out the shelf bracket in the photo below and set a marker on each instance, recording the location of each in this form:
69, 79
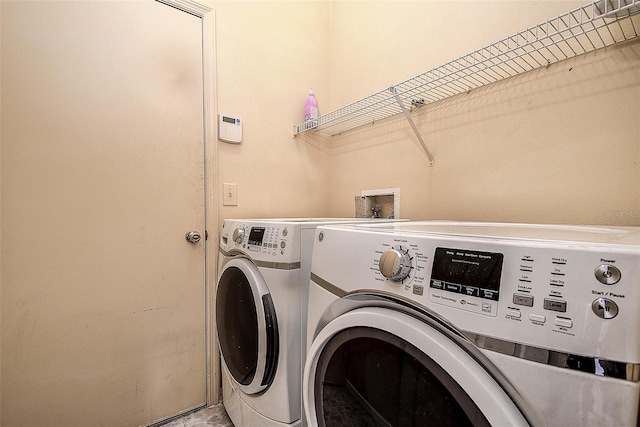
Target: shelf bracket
413, 126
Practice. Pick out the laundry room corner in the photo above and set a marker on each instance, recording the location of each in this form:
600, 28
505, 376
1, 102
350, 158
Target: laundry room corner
263, 78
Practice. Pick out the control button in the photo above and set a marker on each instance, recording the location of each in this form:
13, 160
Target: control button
471, 291
537, 318
437, 284
513, 313
555, 305
488, 294
283, 244
605, 308
526, 300
486, 307
418, 289
452, 287
565, 323
285, 232
608, 274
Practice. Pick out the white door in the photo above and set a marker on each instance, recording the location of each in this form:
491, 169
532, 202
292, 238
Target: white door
103, 299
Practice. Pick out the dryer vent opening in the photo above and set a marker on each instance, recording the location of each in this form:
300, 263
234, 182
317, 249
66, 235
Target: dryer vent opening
369, 377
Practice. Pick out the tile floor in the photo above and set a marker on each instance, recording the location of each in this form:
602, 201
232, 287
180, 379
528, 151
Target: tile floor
342, 409
213, 416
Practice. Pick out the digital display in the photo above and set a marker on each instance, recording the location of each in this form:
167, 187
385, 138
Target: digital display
256, 235
228, 119
467, 272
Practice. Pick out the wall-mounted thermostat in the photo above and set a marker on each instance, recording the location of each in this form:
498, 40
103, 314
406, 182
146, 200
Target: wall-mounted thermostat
229, 129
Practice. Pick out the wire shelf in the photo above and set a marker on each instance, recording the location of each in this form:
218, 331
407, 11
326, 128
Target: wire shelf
587, 28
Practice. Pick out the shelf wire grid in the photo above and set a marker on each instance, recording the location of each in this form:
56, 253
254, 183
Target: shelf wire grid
581, 30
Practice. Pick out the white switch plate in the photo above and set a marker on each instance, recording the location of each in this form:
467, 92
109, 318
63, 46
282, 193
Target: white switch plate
229, 194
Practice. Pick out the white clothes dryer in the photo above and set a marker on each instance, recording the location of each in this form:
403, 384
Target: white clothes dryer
261, 293
483, 324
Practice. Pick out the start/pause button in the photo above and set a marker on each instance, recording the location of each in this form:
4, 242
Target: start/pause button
605, 308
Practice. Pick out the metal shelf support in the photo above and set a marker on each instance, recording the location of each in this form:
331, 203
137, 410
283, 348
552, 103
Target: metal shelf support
413, 126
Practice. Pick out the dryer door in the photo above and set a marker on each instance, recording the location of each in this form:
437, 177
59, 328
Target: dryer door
247, 326
382, 367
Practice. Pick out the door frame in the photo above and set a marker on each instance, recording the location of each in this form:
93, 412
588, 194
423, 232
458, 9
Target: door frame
207, 15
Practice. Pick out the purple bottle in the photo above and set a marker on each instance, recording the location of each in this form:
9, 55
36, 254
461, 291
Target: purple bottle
311, 110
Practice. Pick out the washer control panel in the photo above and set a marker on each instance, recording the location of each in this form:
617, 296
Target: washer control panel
265, 241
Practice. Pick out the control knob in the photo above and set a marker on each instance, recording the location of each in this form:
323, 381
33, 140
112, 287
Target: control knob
238, 235
395, 264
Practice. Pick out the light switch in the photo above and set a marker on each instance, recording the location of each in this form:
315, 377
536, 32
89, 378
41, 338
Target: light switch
230, 194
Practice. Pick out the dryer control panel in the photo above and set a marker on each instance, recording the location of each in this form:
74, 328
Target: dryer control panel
472, 276
538, 289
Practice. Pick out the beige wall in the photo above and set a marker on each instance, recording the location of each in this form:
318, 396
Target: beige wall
526, 149
378, 43
269, 53
557, 145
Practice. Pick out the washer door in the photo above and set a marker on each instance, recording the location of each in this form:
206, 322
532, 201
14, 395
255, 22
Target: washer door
379, 366
247, 326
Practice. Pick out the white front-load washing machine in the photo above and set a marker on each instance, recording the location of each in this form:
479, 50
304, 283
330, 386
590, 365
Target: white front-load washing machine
261, 293
458, 324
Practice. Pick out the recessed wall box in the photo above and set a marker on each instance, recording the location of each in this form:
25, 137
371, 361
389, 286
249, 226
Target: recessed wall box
229, 129
384, 203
